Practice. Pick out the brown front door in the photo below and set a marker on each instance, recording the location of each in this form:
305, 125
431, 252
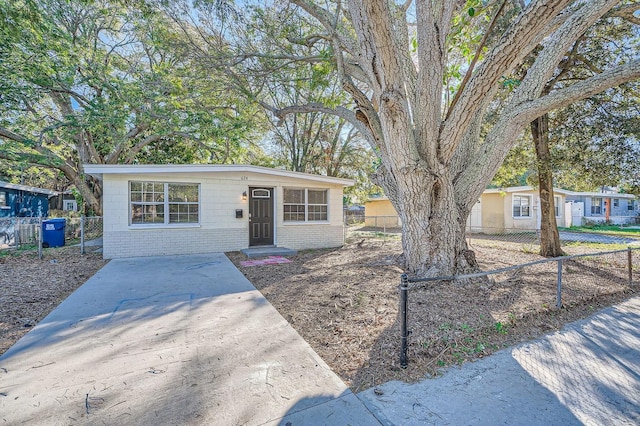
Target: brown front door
260, 216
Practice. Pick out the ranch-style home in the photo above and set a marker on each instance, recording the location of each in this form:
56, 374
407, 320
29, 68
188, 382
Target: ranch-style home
497, 210
152, 210
611, 207
518, 208
514, 208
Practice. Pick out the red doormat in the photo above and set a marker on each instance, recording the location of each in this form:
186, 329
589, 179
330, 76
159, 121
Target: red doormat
271, 260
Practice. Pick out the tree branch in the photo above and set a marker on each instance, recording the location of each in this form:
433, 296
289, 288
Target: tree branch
339, 111
581, 90
627, 13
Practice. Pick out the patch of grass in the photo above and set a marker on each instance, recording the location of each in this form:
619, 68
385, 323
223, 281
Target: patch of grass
19, 250
500, 327
596, 246
605, 229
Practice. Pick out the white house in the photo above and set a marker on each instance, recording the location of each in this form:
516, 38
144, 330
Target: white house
154, 210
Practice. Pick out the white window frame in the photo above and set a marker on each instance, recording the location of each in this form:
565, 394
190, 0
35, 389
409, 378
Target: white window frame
4, 200
70, 205
306, 205
616, 203
166, 204
599, 206
557, 203
530, 205
630, 205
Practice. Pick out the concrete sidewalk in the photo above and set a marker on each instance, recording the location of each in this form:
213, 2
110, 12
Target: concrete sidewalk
171, 341
588, 373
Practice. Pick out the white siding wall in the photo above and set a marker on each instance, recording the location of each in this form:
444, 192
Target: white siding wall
219, 229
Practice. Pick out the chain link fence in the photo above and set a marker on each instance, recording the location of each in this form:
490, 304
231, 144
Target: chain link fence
504, 296
26, 232
360, 227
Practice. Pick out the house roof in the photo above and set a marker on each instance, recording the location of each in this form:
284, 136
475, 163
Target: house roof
99, 170
27, 188
600, 194
559, 191
522, 189
378, 198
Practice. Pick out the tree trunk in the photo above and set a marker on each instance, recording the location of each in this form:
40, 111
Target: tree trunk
549, 235
433, 226
92, 196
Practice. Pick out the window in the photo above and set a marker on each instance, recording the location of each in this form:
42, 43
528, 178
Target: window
596, 206
556, 202
521, 206
3, 200
164, 203
305, 205
616, 202
629, 205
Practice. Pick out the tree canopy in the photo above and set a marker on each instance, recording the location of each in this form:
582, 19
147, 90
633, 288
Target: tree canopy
97, 82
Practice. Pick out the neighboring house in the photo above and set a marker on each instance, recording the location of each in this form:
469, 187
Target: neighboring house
380, 213
604, 207
186, 209
24, 201
65, 201
510, 209
497, 211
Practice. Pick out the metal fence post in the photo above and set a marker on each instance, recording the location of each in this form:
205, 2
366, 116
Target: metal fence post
82, 234
630, 263
40, 238
559, 295
404, 287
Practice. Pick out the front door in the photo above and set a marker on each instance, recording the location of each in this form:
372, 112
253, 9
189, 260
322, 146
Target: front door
260, 216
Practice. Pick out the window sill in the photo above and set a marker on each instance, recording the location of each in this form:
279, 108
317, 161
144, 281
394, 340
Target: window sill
522, 217
310, 222
165, 226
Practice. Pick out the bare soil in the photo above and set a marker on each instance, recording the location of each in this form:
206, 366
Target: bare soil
344, 302
30, 288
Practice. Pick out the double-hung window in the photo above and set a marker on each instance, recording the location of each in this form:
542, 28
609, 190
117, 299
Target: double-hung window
305, 205
521, 206
3, 200
630, 205
162, 203
596, 206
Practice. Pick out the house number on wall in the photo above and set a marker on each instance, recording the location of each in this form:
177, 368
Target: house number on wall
244, 177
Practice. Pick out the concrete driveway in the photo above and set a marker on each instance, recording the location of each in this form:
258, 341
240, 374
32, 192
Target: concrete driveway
170, 340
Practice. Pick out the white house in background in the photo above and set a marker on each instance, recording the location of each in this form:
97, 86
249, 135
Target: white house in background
154, 210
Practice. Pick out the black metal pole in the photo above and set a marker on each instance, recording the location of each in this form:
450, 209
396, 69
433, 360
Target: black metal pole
630, 264
404, 287
559, 292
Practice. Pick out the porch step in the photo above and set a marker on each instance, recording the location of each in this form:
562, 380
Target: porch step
262, 251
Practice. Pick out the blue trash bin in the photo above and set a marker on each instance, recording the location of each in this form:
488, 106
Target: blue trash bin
53, 232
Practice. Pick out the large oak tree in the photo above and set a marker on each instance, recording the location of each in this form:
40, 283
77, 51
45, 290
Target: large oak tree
436, 155
97, 82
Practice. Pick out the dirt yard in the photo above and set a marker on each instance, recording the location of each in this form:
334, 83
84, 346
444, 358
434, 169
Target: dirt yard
30, 287
344, 302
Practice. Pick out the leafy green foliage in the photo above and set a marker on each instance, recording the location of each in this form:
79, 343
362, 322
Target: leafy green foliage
99, 82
